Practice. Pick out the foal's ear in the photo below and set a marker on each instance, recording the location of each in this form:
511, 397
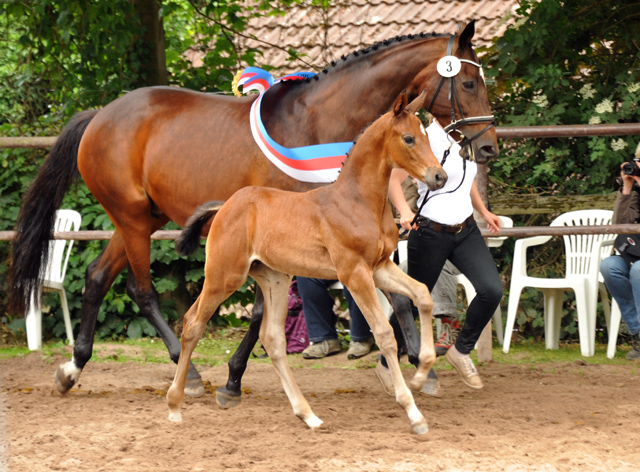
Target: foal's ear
466, 36
417, 102
400, 104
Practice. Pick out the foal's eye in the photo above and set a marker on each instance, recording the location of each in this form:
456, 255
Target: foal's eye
469, 85
408, 139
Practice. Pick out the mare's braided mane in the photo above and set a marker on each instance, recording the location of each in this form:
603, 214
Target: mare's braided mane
359, 54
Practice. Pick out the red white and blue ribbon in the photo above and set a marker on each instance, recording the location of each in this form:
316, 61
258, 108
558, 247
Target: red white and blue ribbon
319, 163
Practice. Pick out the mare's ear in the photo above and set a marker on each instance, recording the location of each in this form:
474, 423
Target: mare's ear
417, 102
400, 104
466, 36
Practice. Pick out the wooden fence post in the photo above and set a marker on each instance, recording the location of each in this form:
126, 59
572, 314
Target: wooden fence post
485, 343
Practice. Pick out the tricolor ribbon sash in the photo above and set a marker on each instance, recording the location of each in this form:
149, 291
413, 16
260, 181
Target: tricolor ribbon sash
319, 163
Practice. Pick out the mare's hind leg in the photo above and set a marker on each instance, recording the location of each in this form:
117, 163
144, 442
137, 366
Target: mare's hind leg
137, 225
275, 286
194, 386
362, 288
99, 276
230, 395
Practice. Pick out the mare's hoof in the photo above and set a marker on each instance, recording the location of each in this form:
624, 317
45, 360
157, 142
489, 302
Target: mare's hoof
226, 399
420, 428
194, 387
175, 417
432, 387
64, 381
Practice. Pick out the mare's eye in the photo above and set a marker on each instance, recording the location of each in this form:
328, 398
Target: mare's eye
469, 85
408, 139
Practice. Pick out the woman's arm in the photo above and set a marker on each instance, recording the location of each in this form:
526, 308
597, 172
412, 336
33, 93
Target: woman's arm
493, 221
396, 195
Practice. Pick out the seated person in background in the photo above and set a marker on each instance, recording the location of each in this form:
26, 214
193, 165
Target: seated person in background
621, 275
317, 306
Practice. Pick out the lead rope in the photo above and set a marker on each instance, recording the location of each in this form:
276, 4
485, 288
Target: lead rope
426, 195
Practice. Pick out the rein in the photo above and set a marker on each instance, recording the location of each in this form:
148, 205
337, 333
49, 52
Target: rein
450, 72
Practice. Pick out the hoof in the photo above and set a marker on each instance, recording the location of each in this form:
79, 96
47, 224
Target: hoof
194, 387
226, 400
420, 428
431, 387
64, 380
313, 422
175, 417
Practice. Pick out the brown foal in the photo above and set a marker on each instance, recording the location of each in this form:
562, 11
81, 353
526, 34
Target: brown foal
344, 230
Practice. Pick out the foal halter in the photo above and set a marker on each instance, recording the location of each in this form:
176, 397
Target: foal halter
453, 98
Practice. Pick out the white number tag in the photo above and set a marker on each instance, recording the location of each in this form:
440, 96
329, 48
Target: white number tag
449, 66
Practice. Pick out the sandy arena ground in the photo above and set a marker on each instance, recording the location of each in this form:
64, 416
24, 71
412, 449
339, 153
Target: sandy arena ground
569, 417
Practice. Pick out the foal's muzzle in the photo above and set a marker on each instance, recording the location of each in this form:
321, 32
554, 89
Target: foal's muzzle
435, 178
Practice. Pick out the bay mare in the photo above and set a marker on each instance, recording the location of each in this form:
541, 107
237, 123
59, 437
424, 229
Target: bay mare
156, 154
345, 230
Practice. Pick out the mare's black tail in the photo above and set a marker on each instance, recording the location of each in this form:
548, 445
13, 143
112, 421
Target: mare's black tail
189, 239
30, 248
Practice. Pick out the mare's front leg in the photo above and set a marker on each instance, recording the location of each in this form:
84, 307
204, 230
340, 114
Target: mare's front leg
362, 288
275, 286
99, 276
230, 395
389, 277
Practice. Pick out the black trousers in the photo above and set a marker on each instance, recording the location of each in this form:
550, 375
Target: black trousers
428, 251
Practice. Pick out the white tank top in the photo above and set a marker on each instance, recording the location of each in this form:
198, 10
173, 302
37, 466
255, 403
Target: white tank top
442, 207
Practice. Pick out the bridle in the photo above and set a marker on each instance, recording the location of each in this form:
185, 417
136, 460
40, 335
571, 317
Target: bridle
447, 69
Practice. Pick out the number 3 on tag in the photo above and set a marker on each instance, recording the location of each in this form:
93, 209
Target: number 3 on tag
449, 66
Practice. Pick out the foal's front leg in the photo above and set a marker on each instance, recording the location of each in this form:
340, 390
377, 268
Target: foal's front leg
390, 277
364, 293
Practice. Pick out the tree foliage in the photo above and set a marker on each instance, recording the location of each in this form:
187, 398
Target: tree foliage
62, 56
562, 63
572, 62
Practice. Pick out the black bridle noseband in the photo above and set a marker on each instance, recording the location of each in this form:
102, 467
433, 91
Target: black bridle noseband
455, 125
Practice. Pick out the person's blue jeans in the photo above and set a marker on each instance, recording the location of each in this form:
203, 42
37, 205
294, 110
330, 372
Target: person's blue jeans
623, 281
317, 306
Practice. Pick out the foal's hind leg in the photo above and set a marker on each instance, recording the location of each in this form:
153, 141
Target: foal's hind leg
195, 322
230, 395
275, 286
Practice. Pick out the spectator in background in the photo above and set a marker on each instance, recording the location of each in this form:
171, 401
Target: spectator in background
317, 305
621, 272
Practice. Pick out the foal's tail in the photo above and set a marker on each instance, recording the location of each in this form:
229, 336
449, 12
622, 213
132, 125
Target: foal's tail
189, 239
34, 227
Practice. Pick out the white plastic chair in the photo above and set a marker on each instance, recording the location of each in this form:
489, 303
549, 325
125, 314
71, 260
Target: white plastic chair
492, 241
615, 316
59, 251
583, 254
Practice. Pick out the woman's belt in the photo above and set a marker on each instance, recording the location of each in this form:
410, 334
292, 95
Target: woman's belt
438, 227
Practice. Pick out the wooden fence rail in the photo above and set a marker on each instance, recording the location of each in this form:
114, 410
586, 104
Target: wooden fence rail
517, 232
503, 132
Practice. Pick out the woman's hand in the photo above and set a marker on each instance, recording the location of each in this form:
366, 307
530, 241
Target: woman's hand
405, 220
493, 222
